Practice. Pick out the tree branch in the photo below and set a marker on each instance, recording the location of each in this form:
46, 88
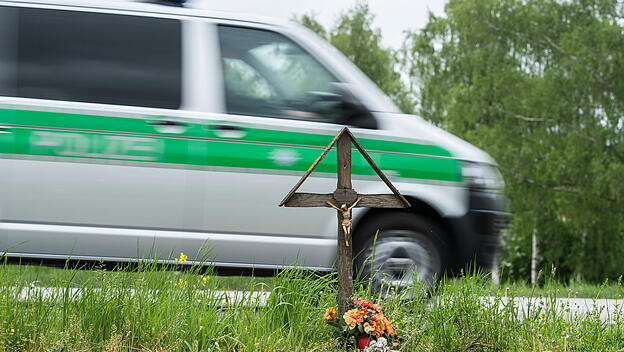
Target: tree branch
522, 117
565, 190
597, 77
550, 187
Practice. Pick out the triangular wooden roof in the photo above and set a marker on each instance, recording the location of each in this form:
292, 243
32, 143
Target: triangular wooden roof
368, 159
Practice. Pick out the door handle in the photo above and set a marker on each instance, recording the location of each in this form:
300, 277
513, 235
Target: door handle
169, 126
167, 123
229, 131
5, 129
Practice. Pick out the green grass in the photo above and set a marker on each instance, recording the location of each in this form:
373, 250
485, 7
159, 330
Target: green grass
168, 310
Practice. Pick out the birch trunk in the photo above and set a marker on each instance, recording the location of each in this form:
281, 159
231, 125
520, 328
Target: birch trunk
579, 271
495, 272
534, 257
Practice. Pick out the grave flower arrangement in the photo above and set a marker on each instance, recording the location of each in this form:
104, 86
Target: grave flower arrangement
365, 319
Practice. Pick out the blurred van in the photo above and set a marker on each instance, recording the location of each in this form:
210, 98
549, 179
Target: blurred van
130, 130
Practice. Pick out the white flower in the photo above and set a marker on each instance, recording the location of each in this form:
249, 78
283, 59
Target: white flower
379, 345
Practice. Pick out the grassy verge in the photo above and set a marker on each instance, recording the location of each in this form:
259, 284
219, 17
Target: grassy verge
166, 310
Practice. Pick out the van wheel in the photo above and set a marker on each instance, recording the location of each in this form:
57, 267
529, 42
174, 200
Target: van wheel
408, 247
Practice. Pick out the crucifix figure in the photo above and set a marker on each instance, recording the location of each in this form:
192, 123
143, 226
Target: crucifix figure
347, 224
343, 195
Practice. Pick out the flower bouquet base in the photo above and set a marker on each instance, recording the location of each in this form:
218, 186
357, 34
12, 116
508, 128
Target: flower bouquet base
367, 344
363, 341
366, 323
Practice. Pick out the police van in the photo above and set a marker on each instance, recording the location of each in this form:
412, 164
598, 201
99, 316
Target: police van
133, 130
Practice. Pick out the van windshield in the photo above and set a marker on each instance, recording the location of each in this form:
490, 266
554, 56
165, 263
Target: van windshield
375, 98
266, 74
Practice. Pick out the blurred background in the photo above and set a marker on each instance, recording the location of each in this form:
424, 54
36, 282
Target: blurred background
538, 84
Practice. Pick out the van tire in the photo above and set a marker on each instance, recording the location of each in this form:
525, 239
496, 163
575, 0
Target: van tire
407, 244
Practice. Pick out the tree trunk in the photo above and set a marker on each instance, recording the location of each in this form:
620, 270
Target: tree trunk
496, 265
534, 257
495, 272
579, 271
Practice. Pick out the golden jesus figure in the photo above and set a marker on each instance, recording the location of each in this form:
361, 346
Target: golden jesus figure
346, 218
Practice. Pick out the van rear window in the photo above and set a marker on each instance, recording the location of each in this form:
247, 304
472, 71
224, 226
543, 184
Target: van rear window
90, 57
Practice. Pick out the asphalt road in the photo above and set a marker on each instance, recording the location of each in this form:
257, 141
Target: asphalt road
607, 309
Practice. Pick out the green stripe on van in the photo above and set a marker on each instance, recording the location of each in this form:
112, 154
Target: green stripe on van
116, 138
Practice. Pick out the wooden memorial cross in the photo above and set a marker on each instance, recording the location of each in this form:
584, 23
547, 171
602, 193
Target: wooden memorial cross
343, 200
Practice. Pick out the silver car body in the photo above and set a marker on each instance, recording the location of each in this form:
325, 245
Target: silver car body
108, 196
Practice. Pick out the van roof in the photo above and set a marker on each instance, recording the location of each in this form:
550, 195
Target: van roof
191, 9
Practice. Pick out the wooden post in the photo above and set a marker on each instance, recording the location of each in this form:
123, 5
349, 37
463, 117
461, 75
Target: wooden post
346, 196
345, 255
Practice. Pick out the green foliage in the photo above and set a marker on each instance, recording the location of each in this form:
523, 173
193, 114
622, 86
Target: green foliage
356, 38
539, 84
312, 24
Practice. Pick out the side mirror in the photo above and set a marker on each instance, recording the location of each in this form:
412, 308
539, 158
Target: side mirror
348, 109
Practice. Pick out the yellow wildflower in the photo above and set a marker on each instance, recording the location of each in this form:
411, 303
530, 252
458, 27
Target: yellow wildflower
204, 280
181, 283
183, 258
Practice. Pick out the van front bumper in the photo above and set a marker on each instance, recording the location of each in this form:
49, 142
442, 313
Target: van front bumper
477, 234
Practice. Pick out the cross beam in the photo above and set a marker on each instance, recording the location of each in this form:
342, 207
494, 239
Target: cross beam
367, 200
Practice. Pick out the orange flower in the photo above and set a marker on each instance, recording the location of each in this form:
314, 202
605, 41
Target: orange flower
374, 329
356, 314
387, 326
382, 323
330, 314
350, 321
390, 329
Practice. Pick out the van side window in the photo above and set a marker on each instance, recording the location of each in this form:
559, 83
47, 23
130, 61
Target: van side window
8, 51
91, 57
266, 74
